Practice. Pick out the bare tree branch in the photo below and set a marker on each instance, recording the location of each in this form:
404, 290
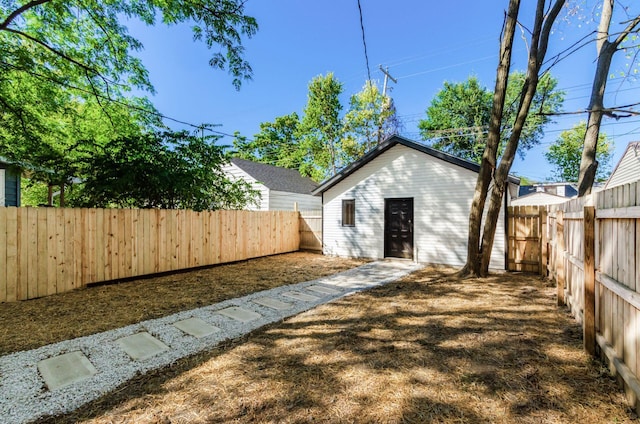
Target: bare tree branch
628, 30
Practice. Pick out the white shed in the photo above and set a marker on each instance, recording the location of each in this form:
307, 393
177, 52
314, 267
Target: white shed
406, 200
628, 169
280, 188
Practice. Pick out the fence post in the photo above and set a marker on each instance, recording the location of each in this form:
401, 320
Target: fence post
543, 241
589, 327
560, 256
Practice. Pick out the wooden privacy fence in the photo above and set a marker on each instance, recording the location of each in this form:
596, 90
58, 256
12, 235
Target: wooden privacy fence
44, 251
594, 257
311, 230
524, 243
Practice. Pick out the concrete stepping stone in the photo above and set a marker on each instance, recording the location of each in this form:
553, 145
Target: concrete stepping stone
322, 289
272, 303
196, 327
239, 314
63, 370
141, 346
301, 296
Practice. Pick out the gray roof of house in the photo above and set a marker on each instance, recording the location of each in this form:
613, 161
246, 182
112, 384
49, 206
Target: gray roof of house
389, 143
276, 178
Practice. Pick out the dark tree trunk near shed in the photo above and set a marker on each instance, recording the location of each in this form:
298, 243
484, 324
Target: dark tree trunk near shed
479, 255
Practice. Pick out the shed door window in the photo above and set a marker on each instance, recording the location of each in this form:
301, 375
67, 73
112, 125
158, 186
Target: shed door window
348, 213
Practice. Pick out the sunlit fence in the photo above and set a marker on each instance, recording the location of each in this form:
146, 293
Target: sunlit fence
44, 251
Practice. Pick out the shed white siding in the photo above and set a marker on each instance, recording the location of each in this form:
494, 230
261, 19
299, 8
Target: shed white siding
262, 202
628, 169
284, 201
442, 193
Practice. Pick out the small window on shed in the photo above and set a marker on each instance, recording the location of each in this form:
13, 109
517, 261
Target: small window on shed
348, 212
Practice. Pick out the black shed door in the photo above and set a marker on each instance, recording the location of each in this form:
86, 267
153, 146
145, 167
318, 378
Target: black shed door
398, 228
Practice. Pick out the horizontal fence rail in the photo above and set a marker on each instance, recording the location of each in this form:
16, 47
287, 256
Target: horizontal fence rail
44, 251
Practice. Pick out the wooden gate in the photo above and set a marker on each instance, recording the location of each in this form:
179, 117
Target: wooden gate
524, 245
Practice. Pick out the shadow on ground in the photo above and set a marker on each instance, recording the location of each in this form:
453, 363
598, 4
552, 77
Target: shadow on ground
429, 348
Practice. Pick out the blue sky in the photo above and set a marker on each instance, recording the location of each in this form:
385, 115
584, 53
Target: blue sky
422, 43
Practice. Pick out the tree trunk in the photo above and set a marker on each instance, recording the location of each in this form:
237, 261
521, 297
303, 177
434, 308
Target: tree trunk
606, 49
488, 163
537, 52
588, 163
62, 201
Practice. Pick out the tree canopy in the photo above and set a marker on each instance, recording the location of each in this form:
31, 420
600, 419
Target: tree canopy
458, 117
277, 143
565, 154
67, 70
323, 140
161, 170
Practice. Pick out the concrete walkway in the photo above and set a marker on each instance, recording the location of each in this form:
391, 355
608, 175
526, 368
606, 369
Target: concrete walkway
61, 377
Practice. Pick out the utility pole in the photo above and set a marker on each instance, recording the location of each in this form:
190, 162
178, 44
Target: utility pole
386, 101
387, 76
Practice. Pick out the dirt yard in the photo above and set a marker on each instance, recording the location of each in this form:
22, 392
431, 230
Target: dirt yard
34, 323
429, 348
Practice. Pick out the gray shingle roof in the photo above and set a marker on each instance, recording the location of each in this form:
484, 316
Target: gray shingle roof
277, 178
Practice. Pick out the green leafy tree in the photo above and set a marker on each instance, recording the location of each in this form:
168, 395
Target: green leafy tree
162, 170
458, 118
60, 155
322, 142
321, 128
565, 154
277, 143
58, 60
370, 120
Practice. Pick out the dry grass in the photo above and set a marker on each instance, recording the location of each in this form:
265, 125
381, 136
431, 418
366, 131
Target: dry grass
426, 349
34, 323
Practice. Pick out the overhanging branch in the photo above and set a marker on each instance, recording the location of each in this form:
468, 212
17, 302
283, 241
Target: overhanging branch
19, 11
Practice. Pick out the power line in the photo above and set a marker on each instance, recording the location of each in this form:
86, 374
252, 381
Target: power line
364, 42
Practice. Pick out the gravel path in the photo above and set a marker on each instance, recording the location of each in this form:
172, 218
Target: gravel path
24, 395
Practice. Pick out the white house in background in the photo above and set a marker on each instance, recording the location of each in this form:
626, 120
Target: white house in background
539, 198
280, 188
404, 200
9, 184
628, 169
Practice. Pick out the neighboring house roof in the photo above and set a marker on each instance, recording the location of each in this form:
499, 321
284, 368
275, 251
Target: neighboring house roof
569, 189
538, 198
627, 169
389, 143
5, 163
275, 177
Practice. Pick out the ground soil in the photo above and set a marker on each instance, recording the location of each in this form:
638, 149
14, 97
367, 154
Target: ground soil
38, 322
429, 348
